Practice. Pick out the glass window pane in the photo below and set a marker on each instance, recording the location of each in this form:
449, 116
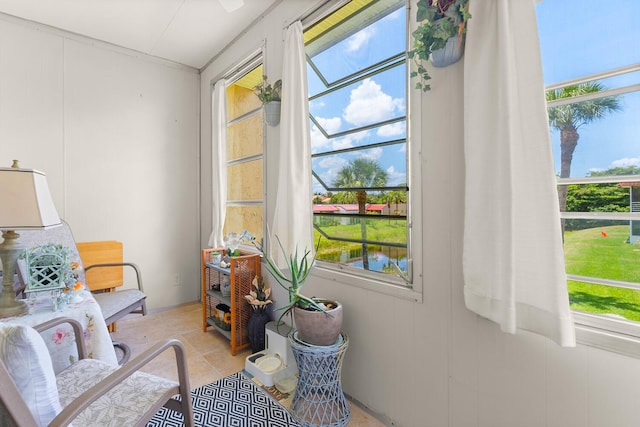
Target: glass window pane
386, 133
371, 37
374, 167
602, 132
244, 137
583, 37
241, 218
601, 197
376, 227
343, 236
367, 102
600, 299
240, 97
358, 134
244, 181
602, 248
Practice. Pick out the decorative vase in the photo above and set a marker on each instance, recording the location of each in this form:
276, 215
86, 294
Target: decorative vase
449, 54
256, 327
272, 113
317, 327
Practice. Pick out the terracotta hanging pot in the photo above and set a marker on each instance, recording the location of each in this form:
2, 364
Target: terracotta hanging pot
317, 327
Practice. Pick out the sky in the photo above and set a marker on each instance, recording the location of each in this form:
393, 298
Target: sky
583, 37
577, 38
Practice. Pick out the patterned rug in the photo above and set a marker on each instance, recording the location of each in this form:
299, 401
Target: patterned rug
231, 401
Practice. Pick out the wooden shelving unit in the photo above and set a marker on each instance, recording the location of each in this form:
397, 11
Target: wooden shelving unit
240, 275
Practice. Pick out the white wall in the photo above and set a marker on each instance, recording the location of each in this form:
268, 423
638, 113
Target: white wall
435, 363
117, 134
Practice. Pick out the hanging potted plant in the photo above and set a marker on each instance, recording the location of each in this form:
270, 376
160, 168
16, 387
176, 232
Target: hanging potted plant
270, 96
439, 37
318, 321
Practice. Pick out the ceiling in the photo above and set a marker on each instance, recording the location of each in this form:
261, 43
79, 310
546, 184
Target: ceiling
189, 32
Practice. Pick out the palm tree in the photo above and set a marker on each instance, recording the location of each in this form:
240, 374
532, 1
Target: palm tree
568, 118
361, 173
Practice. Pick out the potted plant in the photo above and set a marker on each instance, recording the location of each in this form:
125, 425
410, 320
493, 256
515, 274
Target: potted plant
439, 37
258, 299
269, 95
318, 321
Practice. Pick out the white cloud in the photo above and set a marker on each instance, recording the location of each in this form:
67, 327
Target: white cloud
627, 161
331, 166
330, 125
394, 129
369, 104
356, 41
372, 154
342, 143
318, 140
395, 178
333, 162
358, 136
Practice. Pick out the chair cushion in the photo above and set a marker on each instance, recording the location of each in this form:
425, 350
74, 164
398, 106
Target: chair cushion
139, 396
27, 359
111, 303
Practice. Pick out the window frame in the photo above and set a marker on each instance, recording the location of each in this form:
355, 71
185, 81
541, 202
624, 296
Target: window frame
237, 72
599, 330
389, 284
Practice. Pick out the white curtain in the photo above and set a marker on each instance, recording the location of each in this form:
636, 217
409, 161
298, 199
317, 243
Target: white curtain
513, 258
293, 220
218, 162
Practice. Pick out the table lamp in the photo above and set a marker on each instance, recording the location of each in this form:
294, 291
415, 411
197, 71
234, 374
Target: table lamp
25, 203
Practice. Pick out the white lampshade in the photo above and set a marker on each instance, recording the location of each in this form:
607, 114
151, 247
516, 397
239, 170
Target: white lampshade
25, 200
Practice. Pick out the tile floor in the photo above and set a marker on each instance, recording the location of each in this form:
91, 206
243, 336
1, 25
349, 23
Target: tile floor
209, 355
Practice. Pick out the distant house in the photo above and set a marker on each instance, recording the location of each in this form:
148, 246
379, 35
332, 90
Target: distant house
352, 208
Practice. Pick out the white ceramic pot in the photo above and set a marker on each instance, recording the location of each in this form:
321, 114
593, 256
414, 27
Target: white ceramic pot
449, 54
272, 113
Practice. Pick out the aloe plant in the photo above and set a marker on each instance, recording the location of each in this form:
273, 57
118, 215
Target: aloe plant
298, 268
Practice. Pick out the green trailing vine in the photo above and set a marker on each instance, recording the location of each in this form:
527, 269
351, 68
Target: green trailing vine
438, 20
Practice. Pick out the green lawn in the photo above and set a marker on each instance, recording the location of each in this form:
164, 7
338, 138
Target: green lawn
590, 253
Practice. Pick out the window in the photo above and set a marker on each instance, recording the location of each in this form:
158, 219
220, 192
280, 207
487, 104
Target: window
357, 78
592, 76
245, 157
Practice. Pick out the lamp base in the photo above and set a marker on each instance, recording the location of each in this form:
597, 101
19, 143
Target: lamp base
19, 309
9, 252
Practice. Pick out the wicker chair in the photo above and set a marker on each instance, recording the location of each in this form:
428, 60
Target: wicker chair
89, 392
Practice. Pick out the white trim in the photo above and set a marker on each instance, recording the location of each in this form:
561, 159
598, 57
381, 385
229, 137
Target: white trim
597, 76
335, 273
600, 332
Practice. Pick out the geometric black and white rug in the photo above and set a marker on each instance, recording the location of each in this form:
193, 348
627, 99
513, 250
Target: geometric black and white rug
231, 401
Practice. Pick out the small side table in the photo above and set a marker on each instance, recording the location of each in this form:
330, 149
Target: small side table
318, 399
